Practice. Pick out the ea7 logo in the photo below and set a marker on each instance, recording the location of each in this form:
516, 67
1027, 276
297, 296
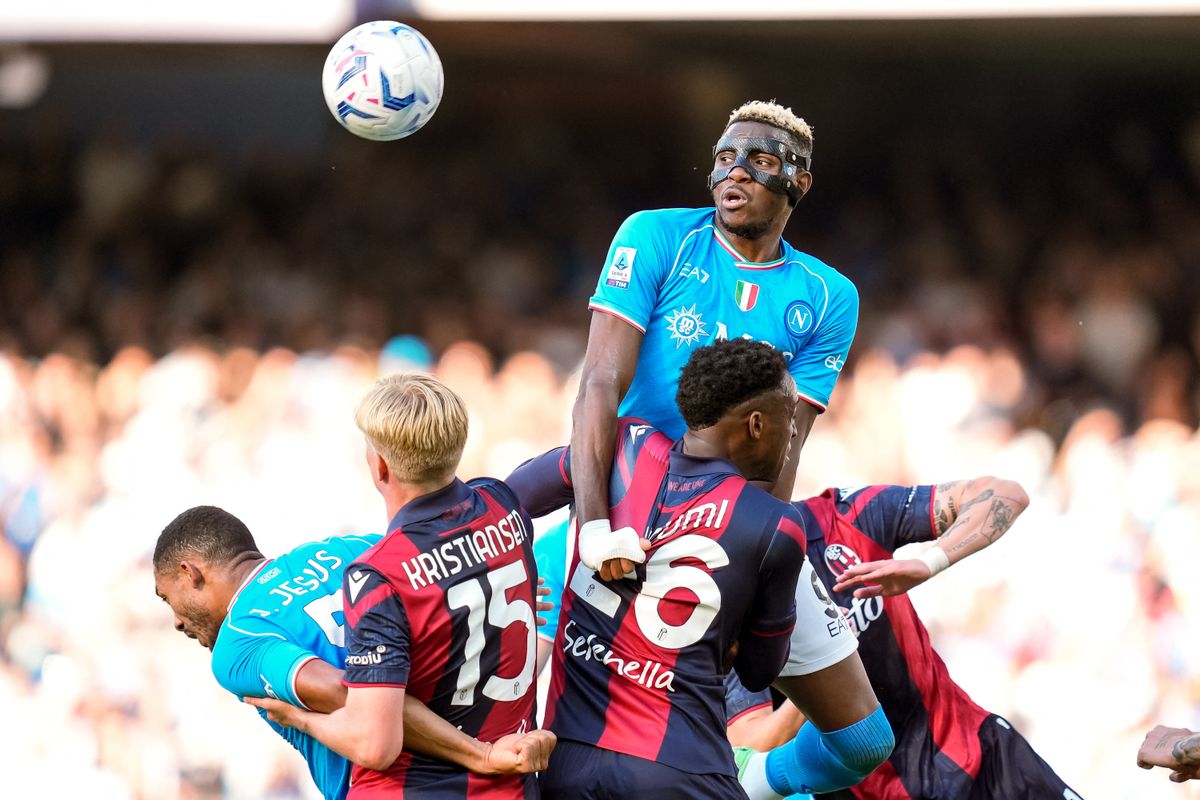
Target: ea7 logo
835, 363
688, 271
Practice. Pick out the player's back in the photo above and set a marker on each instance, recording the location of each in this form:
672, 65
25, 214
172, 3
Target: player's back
639, 663
289, 611
673, 275
458, 567
928, 711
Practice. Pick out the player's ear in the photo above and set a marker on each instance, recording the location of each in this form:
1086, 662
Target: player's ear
804, 181
754, 425
192, 574
379, 468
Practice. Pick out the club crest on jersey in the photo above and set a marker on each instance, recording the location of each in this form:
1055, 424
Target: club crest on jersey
799, 317
840, 558
620, 271
686, 326
745, 294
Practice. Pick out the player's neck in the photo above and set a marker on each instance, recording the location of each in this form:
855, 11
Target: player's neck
398, 494
705, 443
240, 569
757, 250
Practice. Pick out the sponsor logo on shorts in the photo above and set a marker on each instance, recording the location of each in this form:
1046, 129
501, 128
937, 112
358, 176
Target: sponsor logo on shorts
620, 271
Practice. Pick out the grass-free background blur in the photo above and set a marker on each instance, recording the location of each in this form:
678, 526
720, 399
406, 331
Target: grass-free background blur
199, 272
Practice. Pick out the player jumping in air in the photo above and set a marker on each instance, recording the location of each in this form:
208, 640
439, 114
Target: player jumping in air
442, 609
274, 628
637, 695
677, 279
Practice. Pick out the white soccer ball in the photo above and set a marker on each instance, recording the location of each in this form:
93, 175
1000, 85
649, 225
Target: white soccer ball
382, 80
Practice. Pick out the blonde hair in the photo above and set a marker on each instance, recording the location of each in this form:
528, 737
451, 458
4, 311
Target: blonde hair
416, 423
777, 116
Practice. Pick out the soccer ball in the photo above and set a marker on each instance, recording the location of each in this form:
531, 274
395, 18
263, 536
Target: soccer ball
382, 80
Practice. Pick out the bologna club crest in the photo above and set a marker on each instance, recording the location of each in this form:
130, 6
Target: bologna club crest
840, 558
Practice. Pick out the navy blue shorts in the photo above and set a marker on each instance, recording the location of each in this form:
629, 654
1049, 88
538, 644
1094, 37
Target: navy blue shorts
583, 772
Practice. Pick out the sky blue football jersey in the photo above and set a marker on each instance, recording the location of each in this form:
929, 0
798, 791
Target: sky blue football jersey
672, 274
551, 553
289, 611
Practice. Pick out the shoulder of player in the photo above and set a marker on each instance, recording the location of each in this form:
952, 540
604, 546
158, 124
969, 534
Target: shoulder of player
668, 223
837, 284
765, 506
496, 488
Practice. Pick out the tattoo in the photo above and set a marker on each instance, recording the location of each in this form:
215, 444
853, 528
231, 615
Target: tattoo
998, 520
986, 494
1186, 751
944, 512
998, 517
963, 545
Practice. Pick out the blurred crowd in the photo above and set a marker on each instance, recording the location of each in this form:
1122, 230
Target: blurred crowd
175, 330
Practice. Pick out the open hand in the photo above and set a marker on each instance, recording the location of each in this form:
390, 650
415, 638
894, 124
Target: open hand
279, 712
885, 578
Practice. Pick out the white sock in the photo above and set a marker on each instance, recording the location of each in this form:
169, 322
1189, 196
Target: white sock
754, 779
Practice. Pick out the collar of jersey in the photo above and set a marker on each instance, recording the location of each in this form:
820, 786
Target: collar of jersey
254, 572
688, 466
431, 505
737, 257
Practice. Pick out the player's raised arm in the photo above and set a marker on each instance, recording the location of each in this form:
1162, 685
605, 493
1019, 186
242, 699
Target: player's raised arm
968, 516
608, 369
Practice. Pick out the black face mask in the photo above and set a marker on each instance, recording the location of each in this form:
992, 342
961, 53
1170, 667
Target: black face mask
745, 147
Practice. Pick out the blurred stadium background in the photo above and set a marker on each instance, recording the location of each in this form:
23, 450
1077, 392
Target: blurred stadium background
200, 273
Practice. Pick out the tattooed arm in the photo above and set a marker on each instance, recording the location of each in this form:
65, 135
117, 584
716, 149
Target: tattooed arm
967, 517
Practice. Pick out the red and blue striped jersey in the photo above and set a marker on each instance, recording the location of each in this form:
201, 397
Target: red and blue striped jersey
444, 606
639, 663
936, 724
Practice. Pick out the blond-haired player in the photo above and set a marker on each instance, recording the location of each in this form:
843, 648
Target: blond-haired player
442, 609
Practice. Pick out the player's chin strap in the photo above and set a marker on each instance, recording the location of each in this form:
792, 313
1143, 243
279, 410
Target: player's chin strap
743, 148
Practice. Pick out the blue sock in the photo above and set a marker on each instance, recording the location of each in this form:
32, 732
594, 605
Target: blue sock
826, 762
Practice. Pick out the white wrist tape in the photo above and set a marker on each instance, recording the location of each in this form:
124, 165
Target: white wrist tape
598, 542
935, 558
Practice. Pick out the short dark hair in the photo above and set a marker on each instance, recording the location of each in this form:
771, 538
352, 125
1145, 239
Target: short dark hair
209, 533
720, 376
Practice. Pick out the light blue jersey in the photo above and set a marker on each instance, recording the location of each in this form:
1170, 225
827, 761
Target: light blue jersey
551, 553
672, 275
287, 612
